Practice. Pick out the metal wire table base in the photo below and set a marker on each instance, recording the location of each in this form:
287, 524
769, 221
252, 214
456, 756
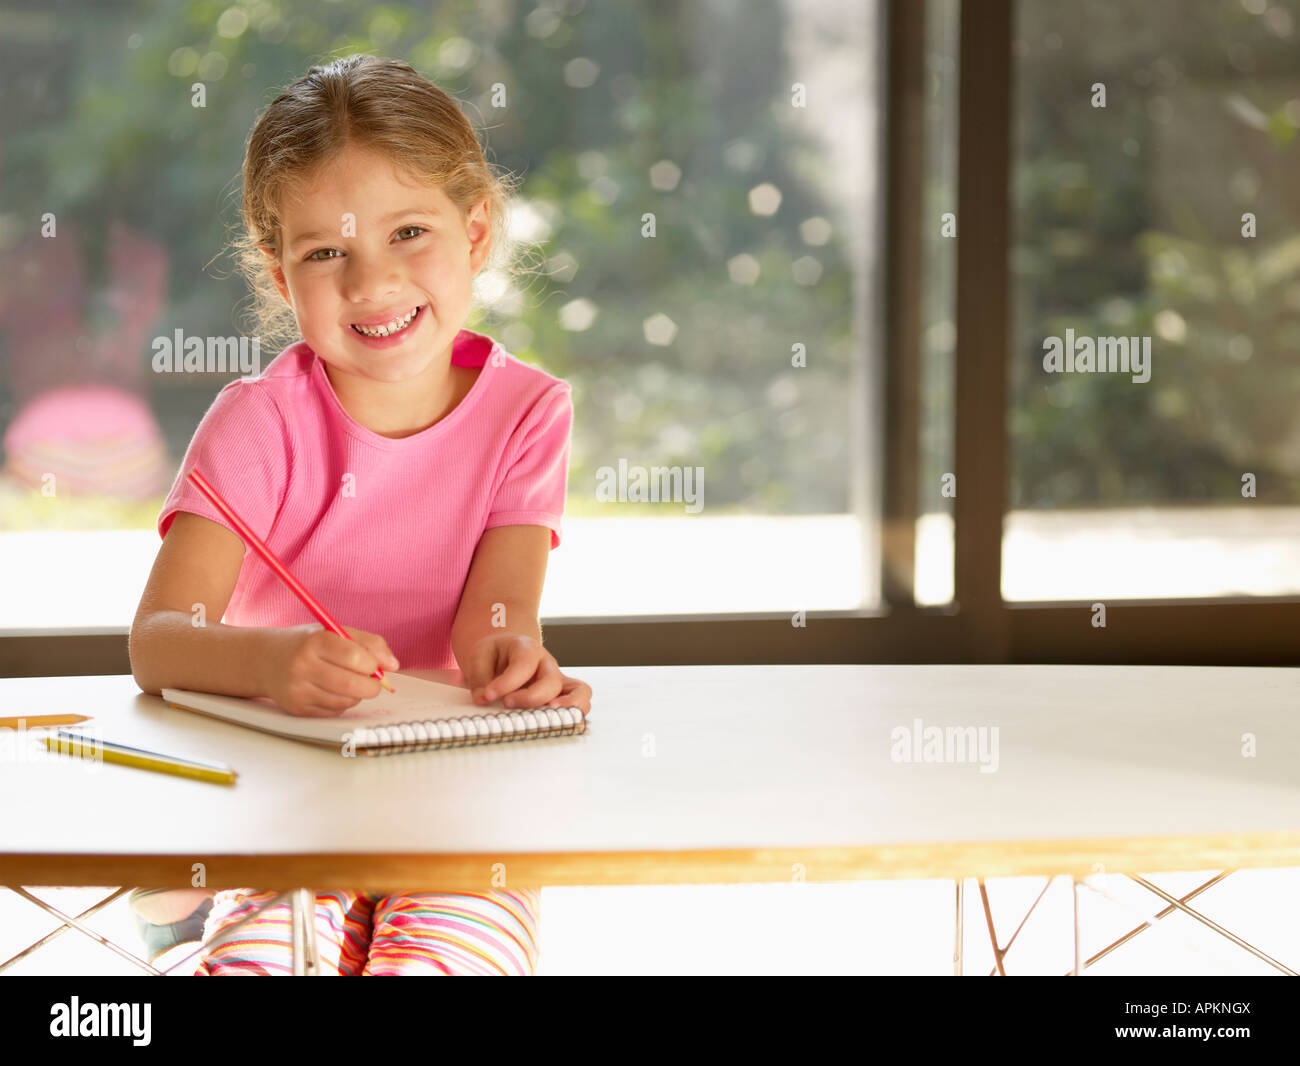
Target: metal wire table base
1080, 964
306, 952
304, 945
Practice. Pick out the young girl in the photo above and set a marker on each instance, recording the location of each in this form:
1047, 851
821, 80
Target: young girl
411, 473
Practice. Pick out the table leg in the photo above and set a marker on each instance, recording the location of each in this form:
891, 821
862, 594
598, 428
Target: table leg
959, 946
1151, 922
306, 953
309, 950
81, 927
48, 937
1211, 924
1074, 890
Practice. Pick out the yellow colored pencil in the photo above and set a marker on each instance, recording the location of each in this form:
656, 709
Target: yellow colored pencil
89, 748
39, 721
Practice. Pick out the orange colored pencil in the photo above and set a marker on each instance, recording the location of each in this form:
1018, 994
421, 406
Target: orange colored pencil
277, 567
39, 721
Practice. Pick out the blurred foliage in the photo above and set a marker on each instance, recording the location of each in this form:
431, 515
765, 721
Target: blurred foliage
1129, 223
104, 129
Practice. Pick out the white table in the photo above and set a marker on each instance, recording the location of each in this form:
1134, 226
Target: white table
694, 775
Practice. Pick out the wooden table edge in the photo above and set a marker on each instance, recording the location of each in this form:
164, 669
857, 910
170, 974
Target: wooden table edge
410, 873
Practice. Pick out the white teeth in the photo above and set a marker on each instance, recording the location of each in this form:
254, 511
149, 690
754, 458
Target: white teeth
394, 326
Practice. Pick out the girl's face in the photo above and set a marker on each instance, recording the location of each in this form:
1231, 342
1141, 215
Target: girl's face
363, 245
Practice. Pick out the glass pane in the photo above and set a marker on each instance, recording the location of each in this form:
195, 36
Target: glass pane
1155, 440
737, 339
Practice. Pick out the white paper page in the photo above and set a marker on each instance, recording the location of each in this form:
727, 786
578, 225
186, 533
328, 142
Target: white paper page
416, 700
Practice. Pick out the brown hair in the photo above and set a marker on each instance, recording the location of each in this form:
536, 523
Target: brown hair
376, 103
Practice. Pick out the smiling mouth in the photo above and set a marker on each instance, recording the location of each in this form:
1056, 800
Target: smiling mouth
389, 329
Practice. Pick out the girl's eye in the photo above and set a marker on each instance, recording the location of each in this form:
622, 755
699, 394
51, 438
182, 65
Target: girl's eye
321, 254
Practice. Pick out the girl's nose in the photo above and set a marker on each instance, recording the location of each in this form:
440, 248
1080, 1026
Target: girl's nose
371, 279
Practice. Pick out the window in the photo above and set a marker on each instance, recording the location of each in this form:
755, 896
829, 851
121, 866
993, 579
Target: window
1155, 218
702, 186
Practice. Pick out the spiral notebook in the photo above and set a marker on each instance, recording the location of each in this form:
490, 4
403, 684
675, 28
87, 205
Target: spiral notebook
421, 714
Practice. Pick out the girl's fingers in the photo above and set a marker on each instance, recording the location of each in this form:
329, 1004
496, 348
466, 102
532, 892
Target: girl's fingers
321, 703
345, 683
350, 655
480, 668
520, 669
549, 683
376, 645
575, 693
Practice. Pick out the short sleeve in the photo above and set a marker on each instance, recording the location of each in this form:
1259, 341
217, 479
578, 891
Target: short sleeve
532, 491
241, 448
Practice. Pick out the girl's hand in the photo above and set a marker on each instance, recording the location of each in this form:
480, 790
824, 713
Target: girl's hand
313, 673
521, 673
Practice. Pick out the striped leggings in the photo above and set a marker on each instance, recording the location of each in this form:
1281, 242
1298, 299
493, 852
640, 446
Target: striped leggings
362, 934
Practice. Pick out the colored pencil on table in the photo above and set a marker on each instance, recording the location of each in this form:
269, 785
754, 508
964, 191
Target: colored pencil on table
91, 748
100, 742
39, 721
280, 570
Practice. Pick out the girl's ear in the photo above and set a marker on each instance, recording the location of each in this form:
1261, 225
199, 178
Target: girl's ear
478, 228
277, 274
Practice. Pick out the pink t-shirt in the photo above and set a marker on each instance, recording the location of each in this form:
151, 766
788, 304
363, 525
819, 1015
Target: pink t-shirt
380, 531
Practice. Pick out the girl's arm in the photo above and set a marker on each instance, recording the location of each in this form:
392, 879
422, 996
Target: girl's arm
496, 636
504, 588
307, 670
198, 563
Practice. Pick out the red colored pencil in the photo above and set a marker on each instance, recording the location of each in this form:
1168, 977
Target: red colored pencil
280, 570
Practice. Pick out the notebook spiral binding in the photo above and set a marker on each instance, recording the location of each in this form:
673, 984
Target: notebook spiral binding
469, 730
